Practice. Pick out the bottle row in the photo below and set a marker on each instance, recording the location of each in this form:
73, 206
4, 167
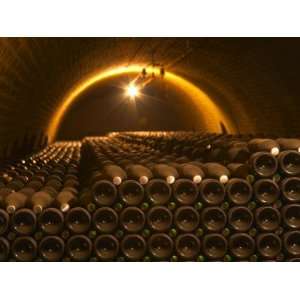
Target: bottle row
157, 247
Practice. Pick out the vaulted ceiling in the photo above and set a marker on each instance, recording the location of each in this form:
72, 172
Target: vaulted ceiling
254, 80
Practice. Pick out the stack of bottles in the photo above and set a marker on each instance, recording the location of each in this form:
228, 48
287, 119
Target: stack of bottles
154, 196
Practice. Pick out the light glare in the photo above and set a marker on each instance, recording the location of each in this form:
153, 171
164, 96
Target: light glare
132, 91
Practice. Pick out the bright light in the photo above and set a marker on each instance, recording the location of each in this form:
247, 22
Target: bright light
132, 91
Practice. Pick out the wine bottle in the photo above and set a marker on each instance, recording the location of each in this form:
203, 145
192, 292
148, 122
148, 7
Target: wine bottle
114, 173
185, 191
106, 247
140, 173
187, 246
166, 172
263, 164
24, 248
24, 221
268, 245
291, 241
132, 219
289, 162
216, 171
160, 245
105, 193
240, 218
239, 191
51, 221
213, 218
212, 191
79, 247
133, 246
186, 218
78, 220
131, 192
241, 245
51, 248
214, 246
266, 145
158, 191
159, 218
105, 219
291, 215
267, 218
266, 191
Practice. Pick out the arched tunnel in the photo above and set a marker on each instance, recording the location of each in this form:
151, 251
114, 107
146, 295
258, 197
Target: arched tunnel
241, 84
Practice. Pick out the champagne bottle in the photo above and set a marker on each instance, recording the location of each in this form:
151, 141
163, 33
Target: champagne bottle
291, 215
51, 221
78, 220
133, 246
263, 164
186, 218
24, 221
106, 247
65, 199
159, 218
24, 248
17, 200
240, 218
166, 172
239, 191
212, 191
267, 218
140, 173
131, 192
214, 246
289, 144
160, 245
266, 191
79, 247
187, 246
105, 193
216, 171
291, 241
105, 219
114, 173
158, 191
191, 171
241, 245
185, 191
213, 218
268, 245
289, 162
51, 248
266, 145
132, 219
238, 170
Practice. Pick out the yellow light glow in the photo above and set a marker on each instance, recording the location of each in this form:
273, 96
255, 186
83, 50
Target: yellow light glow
132, 91
211, 114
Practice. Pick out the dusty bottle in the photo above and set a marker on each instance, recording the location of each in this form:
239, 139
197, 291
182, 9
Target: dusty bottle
132, 219
105, 219
159, 218
133, 246
51, 221
78, 220
51, 248
106, 247
160, 245
187, 246
131, 192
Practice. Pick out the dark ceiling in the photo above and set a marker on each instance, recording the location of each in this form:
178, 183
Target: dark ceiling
255, 80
